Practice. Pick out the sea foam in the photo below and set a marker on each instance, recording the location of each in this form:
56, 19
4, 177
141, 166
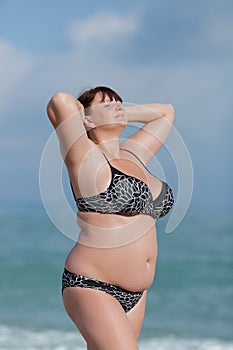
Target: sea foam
12, 338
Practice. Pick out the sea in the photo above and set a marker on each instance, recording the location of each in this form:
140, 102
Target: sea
189, 306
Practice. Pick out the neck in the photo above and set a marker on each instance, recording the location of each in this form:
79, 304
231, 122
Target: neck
111, 147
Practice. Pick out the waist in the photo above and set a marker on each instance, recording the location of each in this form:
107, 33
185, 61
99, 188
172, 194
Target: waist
129, 266
109, 230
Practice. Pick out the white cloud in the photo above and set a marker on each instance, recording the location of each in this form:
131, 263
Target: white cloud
102, 29
16, 65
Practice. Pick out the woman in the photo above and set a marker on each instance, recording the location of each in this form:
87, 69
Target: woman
112, 265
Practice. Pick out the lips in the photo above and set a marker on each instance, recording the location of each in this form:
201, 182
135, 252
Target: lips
120, 116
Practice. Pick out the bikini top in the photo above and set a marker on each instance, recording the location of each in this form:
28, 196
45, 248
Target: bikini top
127, 195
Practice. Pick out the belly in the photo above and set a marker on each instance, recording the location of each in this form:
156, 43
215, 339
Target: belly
128, 262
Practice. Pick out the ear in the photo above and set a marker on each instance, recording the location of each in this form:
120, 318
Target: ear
88, 122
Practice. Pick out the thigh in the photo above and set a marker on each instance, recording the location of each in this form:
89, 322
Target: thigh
100, 318
136, 315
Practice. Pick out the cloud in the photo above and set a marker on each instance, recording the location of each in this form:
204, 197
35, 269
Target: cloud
201, 31
16, 65
102, 30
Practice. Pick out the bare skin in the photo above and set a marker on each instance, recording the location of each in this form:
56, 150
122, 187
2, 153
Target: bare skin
131, 263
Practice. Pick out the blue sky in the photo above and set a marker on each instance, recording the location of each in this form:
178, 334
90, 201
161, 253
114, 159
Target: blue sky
179, 52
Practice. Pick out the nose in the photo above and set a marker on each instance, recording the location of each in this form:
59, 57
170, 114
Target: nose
118, 106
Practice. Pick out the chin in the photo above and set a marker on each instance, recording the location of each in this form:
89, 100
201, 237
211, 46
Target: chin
121, 121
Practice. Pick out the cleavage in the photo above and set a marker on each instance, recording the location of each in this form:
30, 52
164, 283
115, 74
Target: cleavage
135, 171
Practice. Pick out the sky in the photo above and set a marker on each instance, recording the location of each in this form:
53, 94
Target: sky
166, 51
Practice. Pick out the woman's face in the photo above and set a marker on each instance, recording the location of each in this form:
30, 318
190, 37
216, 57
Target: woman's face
106, 112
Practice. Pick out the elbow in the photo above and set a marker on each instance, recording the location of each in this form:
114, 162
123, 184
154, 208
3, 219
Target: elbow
171, 109
53, 107
57, 104
170, 112
57, 99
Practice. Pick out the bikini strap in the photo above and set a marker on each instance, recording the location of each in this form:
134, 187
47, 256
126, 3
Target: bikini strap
123, 149
72, 189
105, 157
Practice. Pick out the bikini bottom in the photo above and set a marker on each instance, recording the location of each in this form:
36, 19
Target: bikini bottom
126, 298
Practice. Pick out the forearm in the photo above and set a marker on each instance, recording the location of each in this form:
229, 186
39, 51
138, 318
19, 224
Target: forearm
148, 112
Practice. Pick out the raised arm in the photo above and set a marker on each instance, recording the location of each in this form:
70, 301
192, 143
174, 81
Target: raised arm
66, 114
61, 106
158, 119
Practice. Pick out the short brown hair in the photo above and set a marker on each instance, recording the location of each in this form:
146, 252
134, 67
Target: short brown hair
88, 96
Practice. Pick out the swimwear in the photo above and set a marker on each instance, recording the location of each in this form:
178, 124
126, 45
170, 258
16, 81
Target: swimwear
128, 196
126, 298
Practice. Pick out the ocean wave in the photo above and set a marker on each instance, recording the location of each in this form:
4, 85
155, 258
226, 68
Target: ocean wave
12, 338
175, 343
26, 339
